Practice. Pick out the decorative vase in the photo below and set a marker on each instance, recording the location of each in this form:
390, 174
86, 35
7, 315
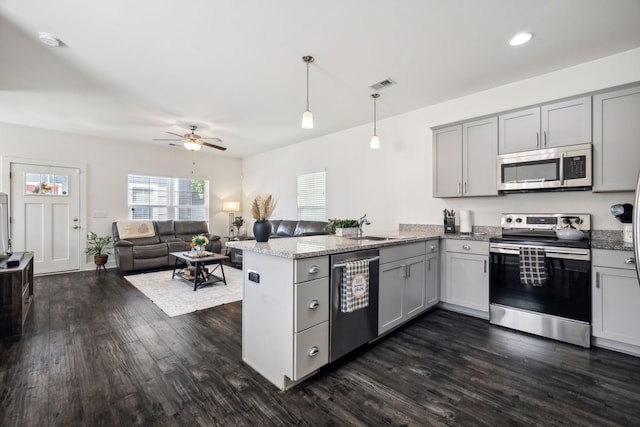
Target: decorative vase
100, 259
199, 250
262, 230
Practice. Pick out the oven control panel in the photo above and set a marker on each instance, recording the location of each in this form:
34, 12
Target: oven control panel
545, 221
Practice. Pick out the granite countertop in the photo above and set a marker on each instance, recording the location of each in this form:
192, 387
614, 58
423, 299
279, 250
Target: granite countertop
609, 239
311, 246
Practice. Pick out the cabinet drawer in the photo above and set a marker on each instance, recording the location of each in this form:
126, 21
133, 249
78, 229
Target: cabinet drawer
312, 303
614, 259
311, 349
399, 252
311, 268
432, 246
467, 246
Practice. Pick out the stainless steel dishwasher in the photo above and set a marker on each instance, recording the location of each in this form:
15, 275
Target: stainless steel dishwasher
351, 330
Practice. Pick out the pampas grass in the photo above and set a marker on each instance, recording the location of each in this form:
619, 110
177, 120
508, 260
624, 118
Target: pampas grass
263, 206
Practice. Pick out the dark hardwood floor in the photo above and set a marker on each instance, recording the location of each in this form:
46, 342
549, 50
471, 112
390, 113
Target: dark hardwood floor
98, 352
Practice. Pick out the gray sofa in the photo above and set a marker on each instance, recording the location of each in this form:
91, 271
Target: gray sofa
153, 252
284, 228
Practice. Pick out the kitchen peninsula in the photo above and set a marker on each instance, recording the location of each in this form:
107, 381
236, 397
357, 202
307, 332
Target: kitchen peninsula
286, 315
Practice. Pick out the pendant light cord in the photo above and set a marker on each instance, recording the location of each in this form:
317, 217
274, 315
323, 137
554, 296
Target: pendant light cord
307, 85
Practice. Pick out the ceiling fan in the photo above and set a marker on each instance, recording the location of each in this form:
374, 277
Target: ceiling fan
194, 142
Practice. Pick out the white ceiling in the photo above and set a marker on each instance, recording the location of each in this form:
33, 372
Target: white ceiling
132, 70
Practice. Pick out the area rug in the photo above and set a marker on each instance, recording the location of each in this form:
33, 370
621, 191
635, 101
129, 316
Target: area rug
176, 296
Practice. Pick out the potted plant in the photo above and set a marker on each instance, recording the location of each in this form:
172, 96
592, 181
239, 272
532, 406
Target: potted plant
261, 210
97, 246
199, 242
344, 227
238, 223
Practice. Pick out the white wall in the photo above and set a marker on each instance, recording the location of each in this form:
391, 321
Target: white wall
393, 185
109, 162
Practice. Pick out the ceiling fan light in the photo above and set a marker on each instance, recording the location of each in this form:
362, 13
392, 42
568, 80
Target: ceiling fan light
307, 120
375, 142
192, 146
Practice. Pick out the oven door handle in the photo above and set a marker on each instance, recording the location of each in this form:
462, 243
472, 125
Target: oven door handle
550, 252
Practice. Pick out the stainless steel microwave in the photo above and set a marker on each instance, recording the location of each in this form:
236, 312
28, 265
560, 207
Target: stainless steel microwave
561, 168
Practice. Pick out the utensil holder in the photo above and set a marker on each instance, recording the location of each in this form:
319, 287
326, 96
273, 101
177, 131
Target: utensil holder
450, 225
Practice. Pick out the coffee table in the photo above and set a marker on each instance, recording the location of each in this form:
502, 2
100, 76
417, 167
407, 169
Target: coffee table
202, 276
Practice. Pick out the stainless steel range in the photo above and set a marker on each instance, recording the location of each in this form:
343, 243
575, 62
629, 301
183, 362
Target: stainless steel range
540, 283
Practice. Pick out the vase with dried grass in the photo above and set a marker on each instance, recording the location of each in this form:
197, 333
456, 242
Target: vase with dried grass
261, 210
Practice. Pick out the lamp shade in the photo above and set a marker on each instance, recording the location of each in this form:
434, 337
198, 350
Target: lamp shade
193, 146
231, 206
307, 120
375, 142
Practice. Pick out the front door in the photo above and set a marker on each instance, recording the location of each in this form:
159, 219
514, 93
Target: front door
45, 215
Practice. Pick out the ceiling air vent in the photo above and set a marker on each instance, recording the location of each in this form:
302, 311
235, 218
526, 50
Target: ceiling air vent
383, 84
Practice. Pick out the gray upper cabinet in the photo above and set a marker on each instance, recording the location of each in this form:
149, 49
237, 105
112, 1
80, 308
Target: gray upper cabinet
447, 162
551, 125
519, 131
464, 159
616, 140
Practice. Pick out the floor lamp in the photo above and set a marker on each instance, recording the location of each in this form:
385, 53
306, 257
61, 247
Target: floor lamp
231, 207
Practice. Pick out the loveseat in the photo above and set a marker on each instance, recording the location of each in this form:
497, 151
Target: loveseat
152, 242
285, 228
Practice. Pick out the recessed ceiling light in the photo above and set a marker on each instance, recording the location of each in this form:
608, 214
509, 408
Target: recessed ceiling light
521, 38
48, 39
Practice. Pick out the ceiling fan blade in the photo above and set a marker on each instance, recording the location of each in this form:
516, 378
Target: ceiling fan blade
213, 146
213, 138
180, 136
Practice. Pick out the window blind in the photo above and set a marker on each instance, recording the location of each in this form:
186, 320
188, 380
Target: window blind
163, 198
312, 196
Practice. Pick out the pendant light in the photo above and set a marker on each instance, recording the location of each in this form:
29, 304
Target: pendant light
375, 141
307, 117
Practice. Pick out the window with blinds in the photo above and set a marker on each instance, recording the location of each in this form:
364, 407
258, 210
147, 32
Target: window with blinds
162, 198
312, 196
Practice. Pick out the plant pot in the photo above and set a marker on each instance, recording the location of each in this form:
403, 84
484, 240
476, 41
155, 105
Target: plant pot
100, 259
343, 232
262, 230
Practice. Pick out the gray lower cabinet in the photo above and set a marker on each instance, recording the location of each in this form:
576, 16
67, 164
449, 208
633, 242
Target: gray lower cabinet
464, 159
466, 277
432, 286
615, 301
616, 127
406, 284
551, 125
285, 316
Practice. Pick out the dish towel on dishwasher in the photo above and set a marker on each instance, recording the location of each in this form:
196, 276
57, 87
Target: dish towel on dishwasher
532, 266
354, 289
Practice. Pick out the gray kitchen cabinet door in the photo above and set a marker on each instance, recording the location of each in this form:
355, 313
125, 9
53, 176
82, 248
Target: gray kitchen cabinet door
432, 287
468, 281
566, 123
616, 143
480, 151
615, 302
391, 304
447, 162
519, 131
414, 290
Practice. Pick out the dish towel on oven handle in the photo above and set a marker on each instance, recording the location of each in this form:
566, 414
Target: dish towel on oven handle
354, 289
532, 266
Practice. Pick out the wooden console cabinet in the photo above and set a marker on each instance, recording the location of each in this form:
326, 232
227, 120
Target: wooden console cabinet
16, 293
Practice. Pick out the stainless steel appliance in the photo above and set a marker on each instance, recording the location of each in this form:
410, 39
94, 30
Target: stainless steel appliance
558, 305
561, 168
351, 330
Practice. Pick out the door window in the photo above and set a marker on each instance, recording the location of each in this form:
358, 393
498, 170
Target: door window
44, 184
